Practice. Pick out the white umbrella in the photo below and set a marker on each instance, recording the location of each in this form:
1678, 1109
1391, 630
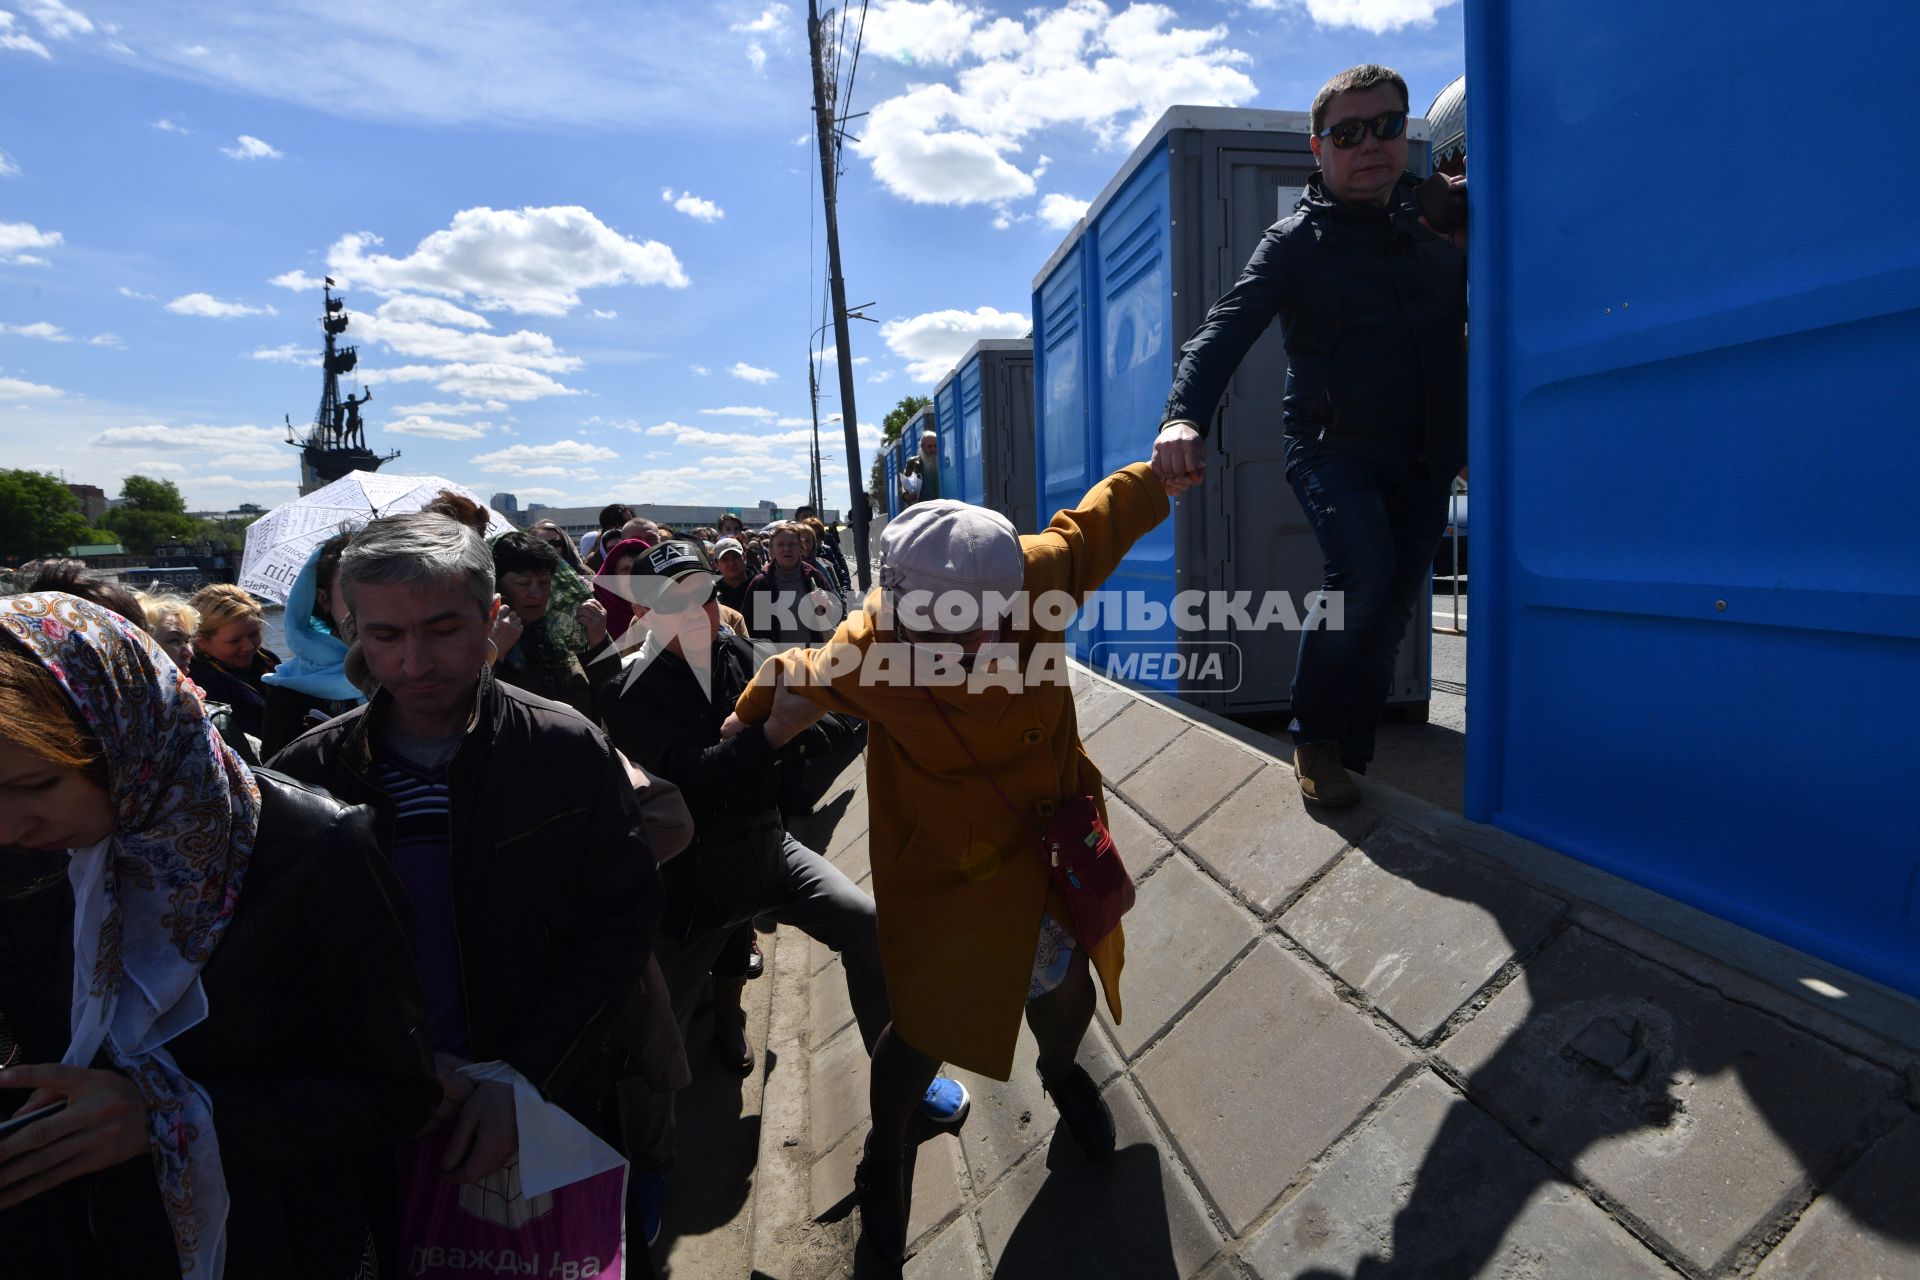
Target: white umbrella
279, 542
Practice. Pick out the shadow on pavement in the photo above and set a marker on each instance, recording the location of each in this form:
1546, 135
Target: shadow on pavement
1616, 1073
1093, 1221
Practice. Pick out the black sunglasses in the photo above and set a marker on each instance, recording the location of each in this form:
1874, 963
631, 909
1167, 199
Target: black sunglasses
1386, 126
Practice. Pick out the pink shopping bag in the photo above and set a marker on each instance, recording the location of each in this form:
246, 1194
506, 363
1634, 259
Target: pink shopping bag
487, 1230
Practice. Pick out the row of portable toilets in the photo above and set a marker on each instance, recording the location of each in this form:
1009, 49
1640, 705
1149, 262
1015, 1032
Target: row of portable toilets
1696, 604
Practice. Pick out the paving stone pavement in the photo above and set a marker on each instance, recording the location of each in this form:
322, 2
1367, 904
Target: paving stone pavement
1355, 1049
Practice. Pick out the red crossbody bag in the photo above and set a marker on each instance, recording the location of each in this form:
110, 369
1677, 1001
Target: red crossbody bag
1079, 851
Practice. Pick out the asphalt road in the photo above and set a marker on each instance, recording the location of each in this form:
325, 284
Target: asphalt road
1427, 760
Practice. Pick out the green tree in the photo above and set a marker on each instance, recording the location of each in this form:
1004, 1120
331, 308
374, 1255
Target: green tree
152, 512
39, 515
890, 428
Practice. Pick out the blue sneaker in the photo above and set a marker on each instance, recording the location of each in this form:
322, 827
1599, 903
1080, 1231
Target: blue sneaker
646, 1196
946, 1102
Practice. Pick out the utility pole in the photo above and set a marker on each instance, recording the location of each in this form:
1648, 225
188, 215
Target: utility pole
829, 173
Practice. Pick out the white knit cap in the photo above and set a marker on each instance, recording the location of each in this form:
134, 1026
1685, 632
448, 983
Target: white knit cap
943, 546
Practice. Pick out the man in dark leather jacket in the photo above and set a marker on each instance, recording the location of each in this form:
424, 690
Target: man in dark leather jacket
510, 821
1373, 306
312, 1053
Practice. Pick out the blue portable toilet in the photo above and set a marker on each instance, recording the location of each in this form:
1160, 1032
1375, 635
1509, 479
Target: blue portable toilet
1111, 307
984, 412
1696, 594
890, 465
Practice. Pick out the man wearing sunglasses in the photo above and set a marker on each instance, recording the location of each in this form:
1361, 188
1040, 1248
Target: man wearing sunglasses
1373, 306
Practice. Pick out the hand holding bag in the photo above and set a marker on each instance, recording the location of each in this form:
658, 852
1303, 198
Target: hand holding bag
1079, 850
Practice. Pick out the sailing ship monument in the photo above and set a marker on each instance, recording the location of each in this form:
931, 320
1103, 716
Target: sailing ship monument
336, 443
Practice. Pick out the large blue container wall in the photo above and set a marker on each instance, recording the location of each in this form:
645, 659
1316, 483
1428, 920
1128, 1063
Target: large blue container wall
1696, 658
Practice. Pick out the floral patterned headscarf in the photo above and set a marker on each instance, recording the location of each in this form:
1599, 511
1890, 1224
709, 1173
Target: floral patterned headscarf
153, 900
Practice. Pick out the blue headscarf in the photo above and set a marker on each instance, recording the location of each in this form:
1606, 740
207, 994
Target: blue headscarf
315, 667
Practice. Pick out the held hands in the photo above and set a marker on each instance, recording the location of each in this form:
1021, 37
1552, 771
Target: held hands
1179, 457
104, 1124
790, 715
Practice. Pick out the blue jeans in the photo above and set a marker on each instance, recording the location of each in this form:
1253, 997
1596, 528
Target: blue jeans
1377, 526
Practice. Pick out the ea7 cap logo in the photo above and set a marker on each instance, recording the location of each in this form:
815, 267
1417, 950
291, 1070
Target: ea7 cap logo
672, 559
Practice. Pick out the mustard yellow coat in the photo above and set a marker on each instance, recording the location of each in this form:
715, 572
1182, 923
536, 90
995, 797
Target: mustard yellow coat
958, 881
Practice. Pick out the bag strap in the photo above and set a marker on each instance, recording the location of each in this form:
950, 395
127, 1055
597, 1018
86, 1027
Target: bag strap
1020, 817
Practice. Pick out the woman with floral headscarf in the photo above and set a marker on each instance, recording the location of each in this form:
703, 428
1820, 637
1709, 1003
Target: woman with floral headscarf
210, 997
548, 627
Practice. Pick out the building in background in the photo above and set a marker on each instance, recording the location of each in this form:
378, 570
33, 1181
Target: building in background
679, 518
93, 501
509, 506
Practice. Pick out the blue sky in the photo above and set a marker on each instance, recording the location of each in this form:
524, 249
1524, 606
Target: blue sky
581, 241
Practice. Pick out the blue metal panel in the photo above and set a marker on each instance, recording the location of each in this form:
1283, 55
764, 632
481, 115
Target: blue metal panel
1696, 655
972, 479
1133, 297
892, 456
946, 411
1062, 455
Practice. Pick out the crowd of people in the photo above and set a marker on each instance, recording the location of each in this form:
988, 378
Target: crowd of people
521, 802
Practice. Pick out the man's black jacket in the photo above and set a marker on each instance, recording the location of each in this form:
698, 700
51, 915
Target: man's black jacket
312, 1054
555, 893
664, 720
1374, 311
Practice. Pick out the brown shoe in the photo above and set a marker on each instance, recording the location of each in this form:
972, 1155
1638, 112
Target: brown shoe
1323, 779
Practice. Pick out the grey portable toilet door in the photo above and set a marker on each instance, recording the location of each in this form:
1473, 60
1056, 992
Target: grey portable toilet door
1252, 513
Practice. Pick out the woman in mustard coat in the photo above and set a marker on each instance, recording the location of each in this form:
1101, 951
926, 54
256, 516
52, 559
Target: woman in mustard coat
972, 931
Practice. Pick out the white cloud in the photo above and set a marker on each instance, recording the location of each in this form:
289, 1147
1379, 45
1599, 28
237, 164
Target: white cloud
8, 169
19, 40
757, 56
137, 295
431, 311
1376, 16
195, 436
749, 373
740, 411
693, 206
57, 20
19, 389
932, 343
771, 19
885, 375
417, 424
529, 260
288, 353
542, 459
1080, 65
212, 308
257, 460
598, 314
699, 370
298, 280
16, 237
480, 381
165, 125
935, 32
522, 348
430, 409
248, 147
105, 340
1060, 212
39, 329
